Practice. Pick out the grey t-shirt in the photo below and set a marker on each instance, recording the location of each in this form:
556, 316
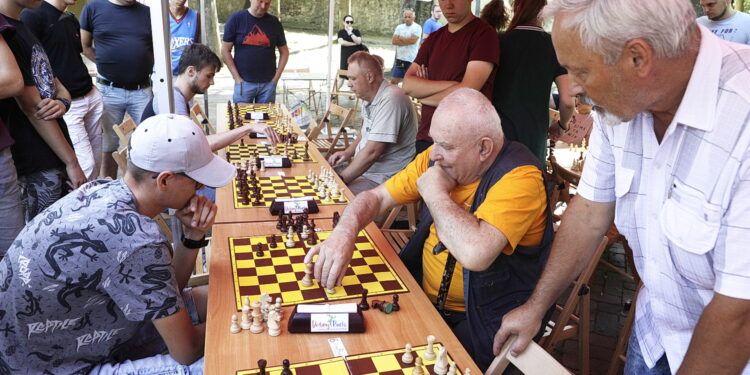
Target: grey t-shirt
181, 107
80, 279
389, 118
734, 29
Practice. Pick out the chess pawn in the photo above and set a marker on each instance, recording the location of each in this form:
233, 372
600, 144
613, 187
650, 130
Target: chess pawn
467, 371
429, 353
307, 279
257, 326
334, 193
452, 370
262, 165
342, 198
441, 366
408, 357
290, 237
327, 197
246, 322
274, 329
234, 327
322, 192
278, 307
418, 370
264, 298
304, 232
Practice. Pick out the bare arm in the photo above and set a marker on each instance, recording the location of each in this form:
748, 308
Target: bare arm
283, 58
87, 42
346, 155
477, 73
335, 253
346, 43
11, 80
403, 41
50, 108
226, 54
357, 40
582, 227
566, 100
50, 131
220, 140
417, 85
365, 158
721, 340
196, 218
184, 341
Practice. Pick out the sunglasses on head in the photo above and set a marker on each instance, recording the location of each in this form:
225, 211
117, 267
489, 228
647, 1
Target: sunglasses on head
349, 22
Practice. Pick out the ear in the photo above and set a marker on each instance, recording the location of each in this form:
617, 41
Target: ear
163, 180
639, 57
191, 71
486, 146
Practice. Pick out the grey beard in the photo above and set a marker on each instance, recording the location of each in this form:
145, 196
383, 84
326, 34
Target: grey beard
608, 118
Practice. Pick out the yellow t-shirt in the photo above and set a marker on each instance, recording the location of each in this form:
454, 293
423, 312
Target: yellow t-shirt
515, 205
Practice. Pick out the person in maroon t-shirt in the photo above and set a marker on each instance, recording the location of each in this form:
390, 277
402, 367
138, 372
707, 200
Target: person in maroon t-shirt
465, 53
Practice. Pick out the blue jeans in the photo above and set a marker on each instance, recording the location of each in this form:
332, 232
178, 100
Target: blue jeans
116, 103
141, 348
636, 365
400, 72
11, 207
251, 92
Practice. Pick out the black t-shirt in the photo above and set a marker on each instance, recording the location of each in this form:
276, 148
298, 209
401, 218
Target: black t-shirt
255, 42
528, 66
60, 35
30, 153
347, 51
122, 39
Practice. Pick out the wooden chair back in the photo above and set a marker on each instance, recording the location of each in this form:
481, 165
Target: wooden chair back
200, 119
533, 361
123, 131
398, 238
121, 158
336, 139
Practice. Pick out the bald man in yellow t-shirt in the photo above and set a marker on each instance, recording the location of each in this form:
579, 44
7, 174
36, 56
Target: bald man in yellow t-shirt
512, 215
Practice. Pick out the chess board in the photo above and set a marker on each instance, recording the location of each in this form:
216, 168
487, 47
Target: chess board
378, 363
272, 187
242, 152
272, 110
280, 270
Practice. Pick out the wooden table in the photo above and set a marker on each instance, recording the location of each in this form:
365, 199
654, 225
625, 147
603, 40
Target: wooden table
227, 353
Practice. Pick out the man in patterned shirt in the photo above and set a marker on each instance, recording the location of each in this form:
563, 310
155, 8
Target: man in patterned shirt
92, 286
669, 162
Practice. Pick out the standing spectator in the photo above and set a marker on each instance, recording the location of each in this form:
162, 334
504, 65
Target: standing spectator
254, 35
433, 23
184, 29
59, 33
725, 21
524, 79
462, 54
406, 39
350, 40
11, 84
43, 154
124, 60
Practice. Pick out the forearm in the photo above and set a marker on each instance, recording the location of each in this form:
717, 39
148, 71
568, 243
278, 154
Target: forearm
721, 340
346, 43
422, 88
183, 263
49, 130
362, 211
434, 100
220, 140
229, 62
582, 227
361, 163
357, 40
62, 92
283, 59
90, 53
461, 233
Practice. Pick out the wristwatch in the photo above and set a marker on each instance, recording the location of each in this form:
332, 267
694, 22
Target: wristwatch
193, 244
65, 102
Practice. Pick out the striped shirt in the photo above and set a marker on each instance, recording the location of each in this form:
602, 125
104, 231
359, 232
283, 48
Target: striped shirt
683, 204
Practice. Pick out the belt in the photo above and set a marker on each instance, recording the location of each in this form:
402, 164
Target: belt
137, 86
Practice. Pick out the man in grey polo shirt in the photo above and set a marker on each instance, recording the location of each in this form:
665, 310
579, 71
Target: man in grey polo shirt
386, 142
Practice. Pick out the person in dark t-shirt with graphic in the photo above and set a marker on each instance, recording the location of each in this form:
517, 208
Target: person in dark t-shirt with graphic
43, 153
254, 35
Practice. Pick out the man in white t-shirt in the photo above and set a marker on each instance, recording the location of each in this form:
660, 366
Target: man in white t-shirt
386, 143
726, 22
406, 39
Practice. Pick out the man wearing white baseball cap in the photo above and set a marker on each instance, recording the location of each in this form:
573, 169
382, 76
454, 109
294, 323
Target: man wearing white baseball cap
96, 263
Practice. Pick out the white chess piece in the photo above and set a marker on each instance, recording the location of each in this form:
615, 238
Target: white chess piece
418, 370
342, 198
234, 327
257, 326
262, 165
441, 365
407, 357
467, 371
246, 322
278, 307
290, 237
429, 353
307, 280
304, 232
274, 329
452, 370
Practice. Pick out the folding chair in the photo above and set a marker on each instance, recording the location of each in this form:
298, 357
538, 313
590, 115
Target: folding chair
333, 142
121, 158
200, 119
310, 90
533, 361
574, 317
618, 357
123, 131
398, 238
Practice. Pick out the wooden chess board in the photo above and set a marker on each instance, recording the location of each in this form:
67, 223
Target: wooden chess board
272, 187
242, 152
280, 270
271, 109
378, 363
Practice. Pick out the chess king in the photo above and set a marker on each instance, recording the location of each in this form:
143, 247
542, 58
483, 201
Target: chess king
485, 221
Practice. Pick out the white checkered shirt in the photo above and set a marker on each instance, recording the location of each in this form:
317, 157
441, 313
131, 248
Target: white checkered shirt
684, 204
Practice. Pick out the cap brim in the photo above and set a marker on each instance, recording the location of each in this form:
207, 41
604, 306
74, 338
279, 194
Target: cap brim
216, 173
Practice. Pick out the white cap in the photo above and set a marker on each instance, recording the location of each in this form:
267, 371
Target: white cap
169, 142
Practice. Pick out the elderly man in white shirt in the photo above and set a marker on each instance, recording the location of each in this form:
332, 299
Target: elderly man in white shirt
669, 161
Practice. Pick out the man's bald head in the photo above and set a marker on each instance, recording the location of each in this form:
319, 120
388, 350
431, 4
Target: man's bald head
469, 115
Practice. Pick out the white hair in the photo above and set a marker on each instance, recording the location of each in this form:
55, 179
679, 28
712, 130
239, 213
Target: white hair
605, 26
472, 113
409, 11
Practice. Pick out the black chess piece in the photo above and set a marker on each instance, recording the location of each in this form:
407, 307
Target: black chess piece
363, 303
396, 307
262, 363
286, 370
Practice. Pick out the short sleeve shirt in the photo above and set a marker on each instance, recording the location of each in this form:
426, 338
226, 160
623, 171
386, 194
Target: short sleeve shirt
446, 55
122, 38
182, 33
389, 118
431, 26
80, 279
30, 152
255, 42
734, 29
408, 53
515, 205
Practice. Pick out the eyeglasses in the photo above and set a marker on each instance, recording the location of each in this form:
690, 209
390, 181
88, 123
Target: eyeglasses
349, 22
198, 185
